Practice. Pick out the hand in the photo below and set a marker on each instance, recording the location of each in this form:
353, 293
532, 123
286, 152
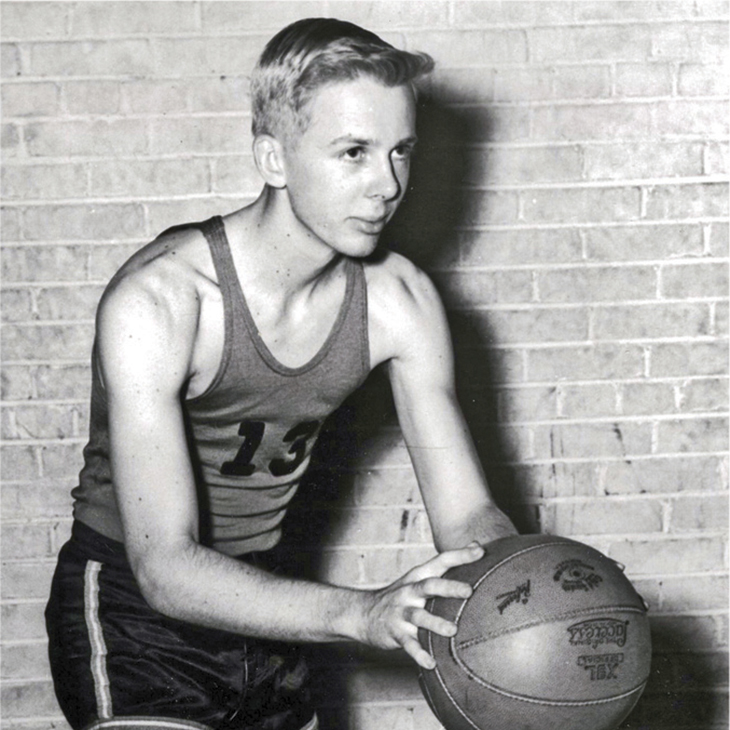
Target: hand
394, 614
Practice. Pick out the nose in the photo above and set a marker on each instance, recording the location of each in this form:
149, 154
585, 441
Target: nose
385, 184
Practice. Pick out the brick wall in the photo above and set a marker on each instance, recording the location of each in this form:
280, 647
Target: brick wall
571, 204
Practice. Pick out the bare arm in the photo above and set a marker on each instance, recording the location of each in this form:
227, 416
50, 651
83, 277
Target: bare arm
455, 491
146, 336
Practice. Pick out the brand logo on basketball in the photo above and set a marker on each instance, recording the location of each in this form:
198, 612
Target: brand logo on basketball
521, 594
597, 632
575, 575
601, 666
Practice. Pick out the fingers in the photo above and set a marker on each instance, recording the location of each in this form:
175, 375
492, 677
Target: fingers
437, 566
423, 619
418, 653
442, 587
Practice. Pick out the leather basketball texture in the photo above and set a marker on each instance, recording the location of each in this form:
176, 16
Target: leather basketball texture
554, 637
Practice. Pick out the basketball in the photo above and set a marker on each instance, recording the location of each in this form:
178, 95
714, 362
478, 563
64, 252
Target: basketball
553, 637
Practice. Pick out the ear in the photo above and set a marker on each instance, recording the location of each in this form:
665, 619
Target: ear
268, 154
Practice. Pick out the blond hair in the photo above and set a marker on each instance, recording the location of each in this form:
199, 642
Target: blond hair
313, 52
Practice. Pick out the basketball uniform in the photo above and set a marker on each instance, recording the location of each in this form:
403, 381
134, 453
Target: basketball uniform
251, 435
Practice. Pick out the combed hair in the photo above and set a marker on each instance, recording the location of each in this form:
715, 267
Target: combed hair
313, 52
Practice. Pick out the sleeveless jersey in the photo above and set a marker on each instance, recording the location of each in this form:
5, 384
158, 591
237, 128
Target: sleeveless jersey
251, 433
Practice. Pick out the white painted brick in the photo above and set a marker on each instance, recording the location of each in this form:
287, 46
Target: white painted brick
606, 122
696, 514
84, 222
68, 303
118, 58
602, 284
691, 358
143, 178
689, 117
257, 15
604, 517
705, 395
595, 362
582, 82
481, 14
693, 435
593, 440
30, 99
703, 79
471, 47
17, 383
520, 246
589, 43
670, 557
93, 97
10, 140
86, 138
691, 201
664, 475
703, 42
9, 60
113, 18
647, 160
581, 205
25, 661
644, 79
31, 699
214, 134
641, 399
702, 280
149, 96
651, 321
29, 182
35, 20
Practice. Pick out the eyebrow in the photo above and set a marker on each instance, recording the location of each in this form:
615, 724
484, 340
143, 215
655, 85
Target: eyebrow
351, 139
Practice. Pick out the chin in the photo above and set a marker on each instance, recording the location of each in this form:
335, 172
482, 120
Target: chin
365, 249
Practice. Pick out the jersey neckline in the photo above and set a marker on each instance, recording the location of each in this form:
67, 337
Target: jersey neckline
262, 348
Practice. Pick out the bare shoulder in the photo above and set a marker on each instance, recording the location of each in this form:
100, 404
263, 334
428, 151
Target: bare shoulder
396, 282
167, 271
152, 304
404, 307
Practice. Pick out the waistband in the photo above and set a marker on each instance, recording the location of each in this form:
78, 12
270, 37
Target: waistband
112, 552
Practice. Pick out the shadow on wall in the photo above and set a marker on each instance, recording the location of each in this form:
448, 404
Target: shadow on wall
678, 694
426, 231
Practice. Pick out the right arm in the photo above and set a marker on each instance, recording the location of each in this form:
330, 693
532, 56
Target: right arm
146, 332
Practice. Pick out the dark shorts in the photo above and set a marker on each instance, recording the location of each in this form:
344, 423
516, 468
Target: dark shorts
112, 656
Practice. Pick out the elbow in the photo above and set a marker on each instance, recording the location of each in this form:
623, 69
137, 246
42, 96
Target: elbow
156, 580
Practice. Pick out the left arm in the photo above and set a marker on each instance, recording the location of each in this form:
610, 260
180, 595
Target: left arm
459, 504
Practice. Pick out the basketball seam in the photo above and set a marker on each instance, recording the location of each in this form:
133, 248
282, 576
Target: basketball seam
445, 688
577, 613
522, 698
557, 703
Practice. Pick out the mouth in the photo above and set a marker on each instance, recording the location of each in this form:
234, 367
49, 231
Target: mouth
372, 226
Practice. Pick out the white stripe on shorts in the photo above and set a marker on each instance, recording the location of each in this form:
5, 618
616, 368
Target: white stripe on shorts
313, 724
161, 723
139, 723
96, 638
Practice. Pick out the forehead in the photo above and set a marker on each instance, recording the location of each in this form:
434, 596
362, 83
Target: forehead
362, 108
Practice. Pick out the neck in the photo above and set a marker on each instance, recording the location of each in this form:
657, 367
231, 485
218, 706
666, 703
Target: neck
288, 253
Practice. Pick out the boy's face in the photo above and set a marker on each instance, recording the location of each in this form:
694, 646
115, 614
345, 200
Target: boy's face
347, 172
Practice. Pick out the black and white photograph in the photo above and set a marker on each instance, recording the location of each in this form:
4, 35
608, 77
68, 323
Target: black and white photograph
364, 364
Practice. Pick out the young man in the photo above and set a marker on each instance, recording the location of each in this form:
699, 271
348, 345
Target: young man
221, 347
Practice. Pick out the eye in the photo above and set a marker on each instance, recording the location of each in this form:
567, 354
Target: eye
354, 154
403, 152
